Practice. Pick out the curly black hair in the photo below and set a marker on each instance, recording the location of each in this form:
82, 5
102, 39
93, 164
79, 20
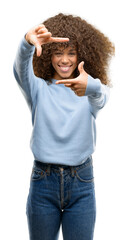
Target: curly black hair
93, 47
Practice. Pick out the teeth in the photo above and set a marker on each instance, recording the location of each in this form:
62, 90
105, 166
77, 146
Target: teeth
65, 69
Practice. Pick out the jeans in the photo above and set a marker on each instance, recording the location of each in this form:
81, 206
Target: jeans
61, 195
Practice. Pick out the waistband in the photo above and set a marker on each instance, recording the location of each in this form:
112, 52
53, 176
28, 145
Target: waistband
48, 166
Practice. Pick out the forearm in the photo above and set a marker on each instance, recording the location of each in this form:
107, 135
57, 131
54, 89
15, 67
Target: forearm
98, 94
23, 60
23, 70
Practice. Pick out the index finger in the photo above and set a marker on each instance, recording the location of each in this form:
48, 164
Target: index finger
65, 81
59, 39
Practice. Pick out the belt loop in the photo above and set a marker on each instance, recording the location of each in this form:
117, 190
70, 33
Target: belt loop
48, 169
72, 171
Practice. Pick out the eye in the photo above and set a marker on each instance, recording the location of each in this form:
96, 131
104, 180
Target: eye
72, 53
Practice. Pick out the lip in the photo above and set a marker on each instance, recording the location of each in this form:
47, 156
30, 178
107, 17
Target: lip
64, 68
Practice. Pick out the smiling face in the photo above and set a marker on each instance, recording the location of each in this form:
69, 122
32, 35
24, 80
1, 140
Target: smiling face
64, 62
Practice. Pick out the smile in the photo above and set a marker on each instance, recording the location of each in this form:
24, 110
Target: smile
64, 68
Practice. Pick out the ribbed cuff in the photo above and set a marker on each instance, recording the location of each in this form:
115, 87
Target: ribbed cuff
93, 86
26, 44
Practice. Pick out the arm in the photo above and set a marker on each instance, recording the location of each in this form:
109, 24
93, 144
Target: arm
23, 71
98, 94
85, 85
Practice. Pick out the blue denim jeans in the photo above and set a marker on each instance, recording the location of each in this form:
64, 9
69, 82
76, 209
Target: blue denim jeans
61, 195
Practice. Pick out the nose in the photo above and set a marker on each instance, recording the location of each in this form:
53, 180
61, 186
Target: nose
64, 59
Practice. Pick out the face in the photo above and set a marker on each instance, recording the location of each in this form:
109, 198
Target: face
64, 62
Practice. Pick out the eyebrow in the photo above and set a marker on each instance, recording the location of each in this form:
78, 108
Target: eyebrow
72, 49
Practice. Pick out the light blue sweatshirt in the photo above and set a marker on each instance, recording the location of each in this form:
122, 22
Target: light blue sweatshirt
64, 128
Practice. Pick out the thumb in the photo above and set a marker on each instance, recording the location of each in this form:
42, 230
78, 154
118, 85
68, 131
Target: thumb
38, 50
80, 67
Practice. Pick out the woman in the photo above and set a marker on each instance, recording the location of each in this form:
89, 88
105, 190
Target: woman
61, 68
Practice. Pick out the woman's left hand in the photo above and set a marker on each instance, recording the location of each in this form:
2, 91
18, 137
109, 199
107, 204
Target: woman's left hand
78, 84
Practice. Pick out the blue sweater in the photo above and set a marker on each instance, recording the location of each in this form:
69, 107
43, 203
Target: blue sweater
64, 128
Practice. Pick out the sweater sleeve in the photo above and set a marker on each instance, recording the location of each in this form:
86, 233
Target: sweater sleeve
23, 71
98, 94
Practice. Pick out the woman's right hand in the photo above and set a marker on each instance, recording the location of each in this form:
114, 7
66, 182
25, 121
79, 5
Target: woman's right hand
39, 35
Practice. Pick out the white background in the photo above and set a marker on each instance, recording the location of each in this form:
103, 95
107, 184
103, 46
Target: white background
16, 158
